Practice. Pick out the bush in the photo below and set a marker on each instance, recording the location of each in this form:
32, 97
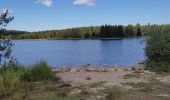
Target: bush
10, 79
38, 72
115, 94
159, 66
14, 76
158, 51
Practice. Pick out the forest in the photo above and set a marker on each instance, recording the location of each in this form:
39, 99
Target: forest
91, 32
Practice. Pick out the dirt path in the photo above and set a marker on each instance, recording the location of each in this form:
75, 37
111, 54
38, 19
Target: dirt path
131, 85
110, 78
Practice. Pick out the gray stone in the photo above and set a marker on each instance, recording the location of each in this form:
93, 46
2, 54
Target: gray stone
91, 69
75, 70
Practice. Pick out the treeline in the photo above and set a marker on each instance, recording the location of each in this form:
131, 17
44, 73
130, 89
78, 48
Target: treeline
11, 34
92, 32
113, 31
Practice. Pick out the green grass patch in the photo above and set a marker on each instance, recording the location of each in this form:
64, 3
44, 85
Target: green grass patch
38, 72
15, 76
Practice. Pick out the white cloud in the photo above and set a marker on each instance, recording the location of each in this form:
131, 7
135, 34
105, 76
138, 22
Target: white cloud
47, 3
84, 2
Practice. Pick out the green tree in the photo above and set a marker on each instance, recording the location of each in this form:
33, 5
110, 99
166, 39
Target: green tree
129, 30
158, 50
5, 44
139, 33
120, 31
87, 35
93, 35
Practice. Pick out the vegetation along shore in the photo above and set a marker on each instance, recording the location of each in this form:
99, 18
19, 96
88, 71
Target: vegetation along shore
146, 81
92, 32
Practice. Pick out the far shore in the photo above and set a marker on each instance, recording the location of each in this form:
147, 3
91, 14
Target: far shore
81, 38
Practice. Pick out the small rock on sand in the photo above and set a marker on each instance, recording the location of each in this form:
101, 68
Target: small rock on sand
65, 69
75, 70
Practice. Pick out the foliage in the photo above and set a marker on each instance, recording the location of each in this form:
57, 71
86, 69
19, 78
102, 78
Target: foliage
5, 44
109, 31
5, 19
158, 50
92, 32
10, 78
14, 75
139, 33
159, 66
38, 72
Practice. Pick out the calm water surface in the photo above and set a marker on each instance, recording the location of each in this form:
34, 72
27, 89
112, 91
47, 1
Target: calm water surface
125, 52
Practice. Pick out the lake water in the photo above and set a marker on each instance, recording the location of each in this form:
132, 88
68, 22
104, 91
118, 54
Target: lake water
57, 53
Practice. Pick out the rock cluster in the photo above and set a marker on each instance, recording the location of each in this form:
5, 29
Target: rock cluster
88, 68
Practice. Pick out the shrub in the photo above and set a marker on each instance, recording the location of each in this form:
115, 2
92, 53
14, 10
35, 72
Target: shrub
10, 79
159, 66
13, 76
38, 72
158, 51
115, 94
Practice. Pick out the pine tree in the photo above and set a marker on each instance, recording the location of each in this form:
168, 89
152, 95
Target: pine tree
139, 33
5, 44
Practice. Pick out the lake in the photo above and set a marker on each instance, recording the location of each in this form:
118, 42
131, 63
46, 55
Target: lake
57, 53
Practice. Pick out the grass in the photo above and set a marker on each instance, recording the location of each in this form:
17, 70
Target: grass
152, 90
116, 93
38, 83
15, 76
38, 72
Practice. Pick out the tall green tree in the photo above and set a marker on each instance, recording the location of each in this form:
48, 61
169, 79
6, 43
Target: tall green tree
5, 44
121, 31
139, 33
158, 50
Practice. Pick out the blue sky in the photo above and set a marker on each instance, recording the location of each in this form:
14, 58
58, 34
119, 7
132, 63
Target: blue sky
36, 15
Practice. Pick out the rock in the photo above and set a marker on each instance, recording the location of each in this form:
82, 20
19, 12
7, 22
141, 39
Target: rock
119, 69
133, 68
65, 69
101, 70
75, 70
75, 91
91, 69
99, 97
88, 78
163, 95
98, 69
86, 65
111, 69
129, 69
138, 67
104, 70
142, 62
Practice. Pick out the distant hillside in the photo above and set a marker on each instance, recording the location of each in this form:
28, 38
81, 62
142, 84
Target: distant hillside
92, 32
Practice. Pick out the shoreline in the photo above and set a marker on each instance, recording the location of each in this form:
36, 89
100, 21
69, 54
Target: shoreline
99, 68
80, 38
